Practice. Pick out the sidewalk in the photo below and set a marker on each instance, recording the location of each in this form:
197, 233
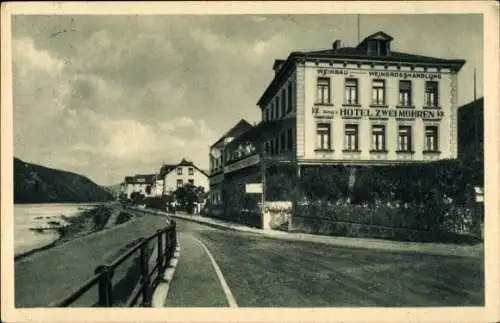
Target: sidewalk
194, 266
473, 251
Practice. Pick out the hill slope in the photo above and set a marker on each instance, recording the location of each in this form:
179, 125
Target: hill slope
38, 184
113, 189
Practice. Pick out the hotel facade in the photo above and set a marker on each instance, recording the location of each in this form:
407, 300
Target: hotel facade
363, 105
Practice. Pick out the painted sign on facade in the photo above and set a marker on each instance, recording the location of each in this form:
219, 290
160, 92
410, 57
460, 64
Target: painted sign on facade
382, 74
253, 188
330, 112
252, 160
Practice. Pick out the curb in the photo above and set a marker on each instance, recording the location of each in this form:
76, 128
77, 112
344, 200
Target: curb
161, 291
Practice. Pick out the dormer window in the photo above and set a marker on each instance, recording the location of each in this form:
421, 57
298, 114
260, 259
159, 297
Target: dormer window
378, 47
377, 44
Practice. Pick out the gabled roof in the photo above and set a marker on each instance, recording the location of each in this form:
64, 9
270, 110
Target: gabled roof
377, 35
235, 131
168, 168
141, 179
261, 131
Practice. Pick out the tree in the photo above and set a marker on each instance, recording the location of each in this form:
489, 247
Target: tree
137, 197
188, 196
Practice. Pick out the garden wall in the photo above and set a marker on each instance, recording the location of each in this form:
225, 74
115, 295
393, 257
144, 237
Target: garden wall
418, 202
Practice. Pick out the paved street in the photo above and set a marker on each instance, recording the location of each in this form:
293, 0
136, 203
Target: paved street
266, 272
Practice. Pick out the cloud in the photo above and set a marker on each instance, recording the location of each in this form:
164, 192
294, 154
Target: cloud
209, 40
23, 50
261, 47
132, 140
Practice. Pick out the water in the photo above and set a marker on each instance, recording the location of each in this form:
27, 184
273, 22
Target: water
28, 216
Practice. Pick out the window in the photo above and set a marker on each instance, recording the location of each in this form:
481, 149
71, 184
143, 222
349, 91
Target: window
372, 47
351, 137
282, 141
351, 91
431, 94
323, 90
191, 171
179, 183
191, 181
289, 139
272, 147
323, 136
404, 139
274, 111
378, 92
431, 138
405, 93
377, 48
277, 106
378, 138
290, 98
267, 148
179, 171
283, 103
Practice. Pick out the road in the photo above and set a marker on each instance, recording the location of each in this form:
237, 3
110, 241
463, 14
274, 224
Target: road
256, 271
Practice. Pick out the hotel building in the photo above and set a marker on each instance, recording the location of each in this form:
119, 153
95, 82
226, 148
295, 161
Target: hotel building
363, 105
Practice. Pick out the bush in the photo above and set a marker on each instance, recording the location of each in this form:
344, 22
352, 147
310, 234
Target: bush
123, 217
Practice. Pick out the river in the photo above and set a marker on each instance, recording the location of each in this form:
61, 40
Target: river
27, 216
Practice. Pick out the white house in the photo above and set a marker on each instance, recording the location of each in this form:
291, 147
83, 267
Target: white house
145, 184
185, 172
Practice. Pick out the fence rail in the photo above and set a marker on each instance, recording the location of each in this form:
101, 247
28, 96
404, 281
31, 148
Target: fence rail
166, 242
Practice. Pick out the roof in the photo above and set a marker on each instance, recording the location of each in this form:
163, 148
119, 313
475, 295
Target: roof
167, 168
358, 54
476, 104
141, 179
235, 131
260, 131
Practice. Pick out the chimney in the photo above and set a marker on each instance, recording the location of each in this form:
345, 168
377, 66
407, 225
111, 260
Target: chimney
336, 44
277, 65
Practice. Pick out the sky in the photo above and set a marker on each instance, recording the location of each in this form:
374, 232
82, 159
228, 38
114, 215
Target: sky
112, 96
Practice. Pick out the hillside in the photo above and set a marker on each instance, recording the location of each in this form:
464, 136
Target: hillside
113, 189
39, 184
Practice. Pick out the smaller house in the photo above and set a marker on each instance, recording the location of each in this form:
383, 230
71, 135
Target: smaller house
145, 184
184, 172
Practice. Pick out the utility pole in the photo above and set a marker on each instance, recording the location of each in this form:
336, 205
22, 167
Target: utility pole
358, 27
474, 84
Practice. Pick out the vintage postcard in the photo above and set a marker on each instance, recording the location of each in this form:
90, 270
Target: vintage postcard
250, 161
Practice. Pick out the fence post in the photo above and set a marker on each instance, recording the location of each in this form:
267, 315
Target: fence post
174, 235
105, 297
146, 280
160, 253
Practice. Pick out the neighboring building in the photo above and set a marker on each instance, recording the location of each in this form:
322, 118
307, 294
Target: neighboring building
217, 159
471, 129
145, 184
363, 105
178, 175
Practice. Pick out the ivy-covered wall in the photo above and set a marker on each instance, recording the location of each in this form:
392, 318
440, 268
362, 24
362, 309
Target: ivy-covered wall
435, 197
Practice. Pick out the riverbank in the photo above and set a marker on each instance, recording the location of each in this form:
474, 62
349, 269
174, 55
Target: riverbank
85, 223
